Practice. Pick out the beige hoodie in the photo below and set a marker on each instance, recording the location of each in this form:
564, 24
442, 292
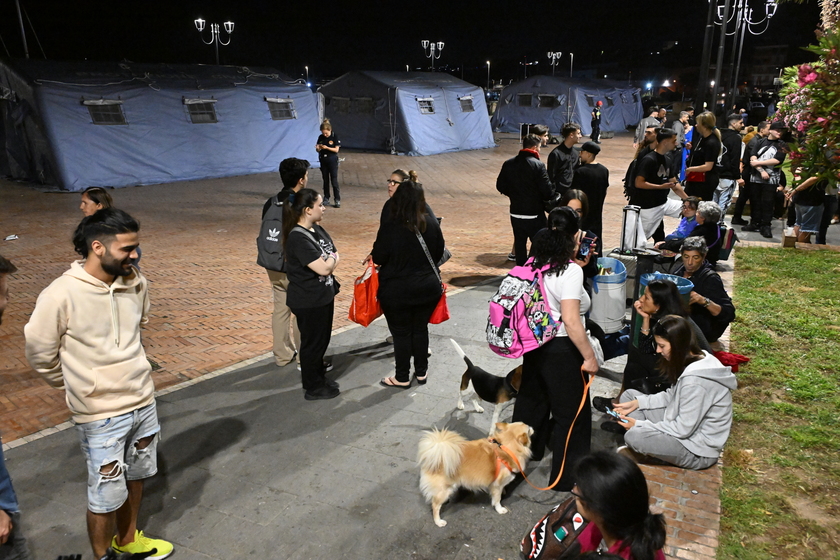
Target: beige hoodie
84, 336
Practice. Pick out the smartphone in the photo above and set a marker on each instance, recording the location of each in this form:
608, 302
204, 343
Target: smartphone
585, 247
616, 415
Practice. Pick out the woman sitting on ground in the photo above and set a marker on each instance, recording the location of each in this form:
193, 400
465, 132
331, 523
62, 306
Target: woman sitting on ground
612, 494
688, 424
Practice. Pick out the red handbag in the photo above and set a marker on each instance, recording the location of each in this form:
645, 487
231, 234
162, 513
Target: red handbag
365, 305
441, 312
695, 177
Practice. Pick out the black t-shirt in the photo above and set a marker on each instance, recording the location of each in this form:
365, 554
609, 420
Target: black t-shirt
705, 150
812, 196
654, 169
307, 288
332, 142
594, 180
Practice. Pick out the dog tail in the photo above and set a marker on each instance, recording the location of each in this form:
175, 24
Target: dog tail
440, 451
461, 352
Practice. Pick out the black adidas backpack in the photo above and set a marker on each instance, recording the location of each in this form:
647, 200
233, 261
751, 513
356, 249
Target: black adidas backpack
270, 240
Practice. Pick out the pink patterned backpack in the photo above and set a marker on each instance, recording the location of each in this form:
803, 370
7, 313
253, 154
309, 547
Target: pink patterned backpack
520, 318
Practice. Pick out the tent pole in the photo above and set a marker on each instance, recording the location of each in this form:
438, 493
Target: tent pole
22, 30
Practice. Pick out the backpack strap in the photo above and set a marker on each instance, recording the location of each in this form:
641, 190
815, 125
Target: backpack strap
307, 233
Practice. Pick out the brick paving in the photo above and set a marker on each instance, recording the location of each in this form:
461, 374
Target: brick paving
211, 303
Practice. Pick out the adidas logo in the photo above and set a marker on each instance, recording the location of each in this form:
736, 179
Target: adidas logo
273, 235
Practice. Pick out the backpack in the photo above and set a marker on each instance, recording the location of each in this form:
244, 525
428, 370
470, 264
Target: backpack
270, 241
630, 179
520, 317
729, 240
555, 535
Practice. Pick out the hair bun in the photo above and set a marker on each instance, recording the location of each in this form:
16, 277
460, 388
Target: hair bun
412, 175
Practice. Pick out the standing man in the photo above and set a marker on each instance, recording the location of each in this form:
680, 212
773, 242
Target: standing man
653, 180
524, 180
563, 160
596, 122
12, 543
594, 180
294, 174
765, 161
729, 168
84, 337
652, 120
679, 126
745, 194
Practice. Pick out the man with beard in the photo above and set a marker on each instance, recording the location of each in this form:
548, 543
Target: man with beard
84, 337
12, 543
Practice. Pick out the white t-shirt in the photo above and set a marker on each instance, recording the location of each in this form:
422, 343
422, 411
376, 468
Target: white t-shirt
566, 285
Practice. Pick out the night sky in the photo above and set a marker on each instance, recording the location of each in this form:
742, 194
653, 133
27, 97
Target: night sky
338, 36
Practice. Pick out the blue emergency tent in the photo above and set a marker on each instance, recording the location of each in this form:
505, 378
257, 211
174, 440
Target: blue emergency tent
80, 124
412, 113
554, 101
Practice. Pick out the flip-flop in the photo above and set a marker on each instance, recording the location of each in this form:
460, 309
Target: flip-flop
392, 383
421, 380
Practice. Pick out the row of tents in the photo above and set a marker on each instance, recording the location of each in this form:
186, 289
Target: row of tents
75, 125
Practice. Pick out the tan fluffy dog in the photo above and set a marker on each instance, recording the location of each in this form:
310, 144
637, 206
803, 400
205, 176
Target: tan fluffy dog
448, 461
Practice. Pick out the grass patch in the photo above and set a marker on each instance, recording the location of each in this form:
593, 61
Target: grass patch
781, 479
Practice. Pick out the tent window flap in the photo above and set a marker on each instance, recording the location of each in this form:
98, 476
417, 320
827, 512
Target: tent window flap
590, 99
610, 101
341, 104
105, 111
281, 109
426, 105
548, 101
201, 111
466, 104
524, 99
363, 105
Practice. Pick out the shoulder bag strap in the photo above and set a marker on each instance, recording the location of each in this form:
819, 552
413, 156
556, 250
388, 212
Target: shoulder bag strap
428, 255
308, 234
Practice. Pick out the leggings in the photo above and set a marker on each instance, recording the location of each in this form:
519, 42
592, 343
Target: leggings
329, 172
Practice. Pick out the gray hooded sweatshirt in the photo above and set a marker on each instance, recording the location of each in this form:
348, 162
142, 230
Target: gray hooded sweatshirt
698, 408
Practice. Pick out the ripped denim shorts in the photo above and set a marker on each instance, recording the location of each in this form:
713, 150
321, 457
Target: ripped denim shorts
112, 440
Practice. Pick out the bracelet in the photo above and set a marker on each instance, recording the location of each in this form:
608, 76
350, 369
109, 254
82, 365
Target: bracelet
645, 331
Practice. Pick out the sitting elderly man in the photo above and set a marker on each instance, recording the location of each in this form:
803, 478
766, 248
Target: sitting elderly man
710, 306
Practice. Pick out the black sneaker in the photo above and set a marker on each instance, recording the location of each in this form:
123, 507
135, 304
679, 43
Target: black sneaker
337, 204
331, 383
750, 227
766, 232
321, 393
602, 403
737, 221
613, 428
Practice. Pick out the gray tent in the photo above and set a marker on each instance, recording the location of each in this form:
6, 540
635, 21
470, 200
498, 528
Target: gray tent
554, 101
413, 113
83, 124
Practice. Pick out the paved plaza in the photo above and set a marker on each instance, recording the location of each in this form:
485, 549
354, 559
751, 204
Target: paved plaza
250, 469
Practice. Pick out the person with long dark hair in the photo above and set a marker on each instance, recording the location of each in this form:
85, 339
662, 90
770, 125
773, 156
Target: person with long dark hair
553, 376
311, 259
93, 199
688, 424
612, 494
409, 282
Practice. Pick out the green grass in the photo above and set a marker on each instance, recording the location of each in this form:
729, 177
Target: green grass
781, 479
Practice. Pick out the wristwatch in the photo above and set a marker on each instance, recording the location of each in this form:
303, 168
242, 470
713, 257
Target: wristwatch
707, 302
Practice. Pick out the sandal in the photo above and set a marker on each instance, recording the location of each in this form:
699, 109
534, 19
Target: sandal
421, 380
393, 383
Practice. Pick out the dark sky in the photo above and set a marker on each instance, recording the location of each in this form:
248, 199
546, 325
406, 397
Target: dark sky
337, 36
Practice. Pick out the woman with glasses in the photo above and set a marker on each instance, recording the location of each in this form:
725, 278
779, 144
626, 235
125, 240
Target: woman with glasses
612, 494
398, 177
688, 424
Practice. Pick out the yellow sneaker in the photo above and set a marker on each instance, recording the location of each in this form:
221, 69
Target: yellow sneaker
142, 544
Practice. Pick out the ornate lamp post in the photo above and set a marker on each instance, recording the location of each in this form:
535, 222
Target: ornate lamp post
215, 38
554, 57
432, 47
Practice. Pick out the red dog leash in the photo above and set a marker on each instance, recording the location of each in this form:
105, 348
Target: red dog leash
586, 385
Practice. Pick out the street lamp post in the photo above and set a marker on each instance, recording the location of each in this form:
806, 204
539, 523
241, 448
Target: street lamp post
572, 64
307, 74
215, 38
488, 75
432, 47
554, 57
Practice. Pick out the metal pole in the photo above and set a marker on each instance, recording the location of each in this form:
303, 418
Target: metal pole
730, 82
216, 41
22, 31
488, 75
572, 65
721, 48
703, 80
740, 50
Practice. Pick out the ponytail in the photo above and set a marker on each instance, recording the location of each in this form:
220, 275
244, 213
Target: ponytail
325, 125
647, 538
293, 209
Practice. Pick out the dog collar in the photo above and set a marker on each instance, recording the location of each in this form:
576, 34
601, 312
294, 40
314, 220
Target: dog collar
499, 460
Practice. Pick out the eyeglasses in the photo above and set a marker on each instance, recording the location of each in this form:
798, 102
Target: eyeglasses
575, 494
392, 182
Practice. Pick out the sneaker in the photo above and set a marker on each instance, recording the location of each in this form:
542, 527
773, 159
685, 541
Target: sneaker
511, 257
331, 383
766, 232
337, 204
143, 544
326, 201
736, 221
327, 366
321, 393
602, 404
750, 227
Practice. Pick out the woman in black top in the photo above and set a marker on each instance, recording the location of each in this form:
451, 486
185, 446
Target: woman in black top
327, 148
409, 288
705, 151
311, 259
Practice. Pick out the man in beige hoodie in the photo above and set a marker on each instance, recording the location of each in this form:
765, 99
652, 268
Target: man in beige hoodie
84, 337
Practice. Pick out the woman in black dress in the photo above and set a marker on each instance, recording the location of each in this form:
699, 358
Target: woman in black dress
311, 259
409, 283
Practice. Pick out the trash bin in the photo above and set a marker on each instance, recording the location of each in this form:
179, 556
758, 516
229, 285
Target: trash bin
609, 295
684, 285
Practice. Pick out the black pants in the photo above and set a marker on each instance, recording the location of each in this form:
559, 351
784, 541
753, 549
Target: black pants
315, 326
523, 230
763, 200
409, 325
705, 190
744, 195
596, 132
549, 396
329, 172
828, 214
